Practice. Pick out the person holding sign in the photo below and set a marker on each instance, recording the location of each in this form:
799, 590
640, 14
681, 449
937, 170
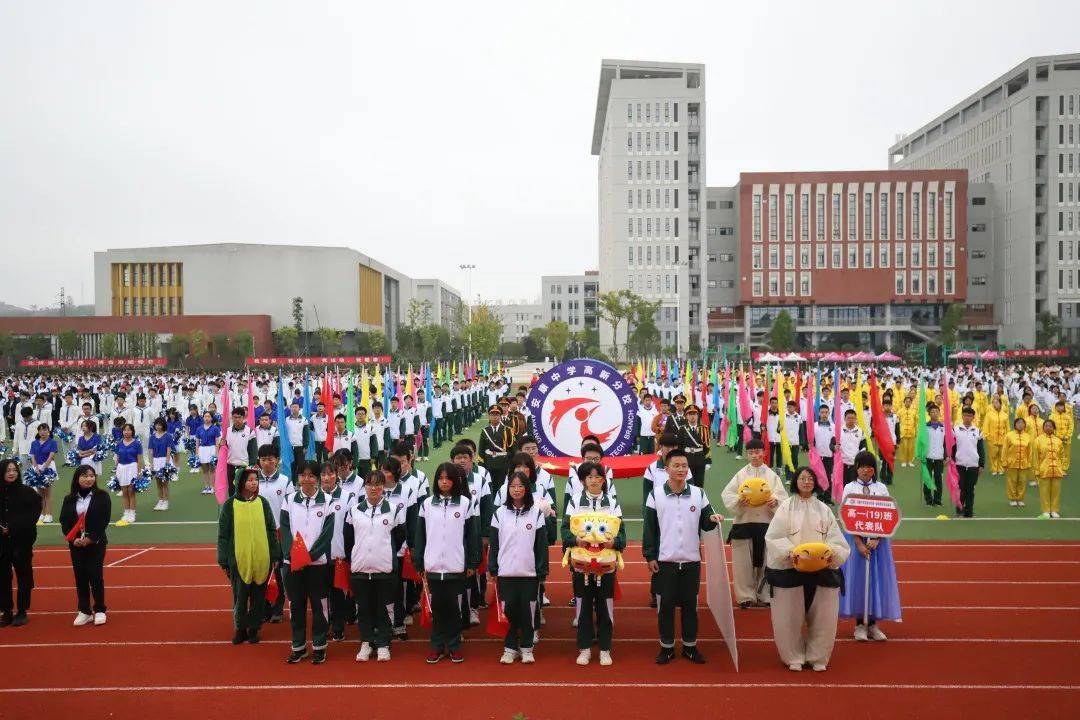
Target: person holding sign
869, 555
804, 547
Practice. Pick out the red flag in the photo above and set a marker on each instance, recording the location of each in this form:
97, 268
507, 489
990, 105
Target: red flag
272, 590
425, 607
617, 590
299, 557
879, 425
497, 624
341, 576
77, 528
328, 400
408, 570
483, 562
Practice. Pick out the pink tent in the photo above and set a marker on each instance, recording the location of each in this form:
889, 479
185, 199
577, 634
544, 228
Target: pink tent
963, 355
886, 357
989, 355
832, 357
861, 357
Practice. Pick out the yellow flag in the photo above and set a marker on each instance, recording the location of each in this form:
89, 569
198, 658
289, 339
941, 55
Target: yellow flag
859, 416
365, 390
409, 382
781, 426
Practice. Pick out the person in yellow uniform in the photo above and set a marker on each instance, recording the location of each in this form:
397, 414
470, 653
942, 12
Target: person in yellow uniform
1034, 424
908, 416
995, 426
1062, 415
1016, 460
1050, 470
982, 403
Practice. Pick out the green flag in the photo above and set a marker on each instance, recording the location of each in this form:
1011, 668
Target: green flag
732, 412
350, 406
922, 438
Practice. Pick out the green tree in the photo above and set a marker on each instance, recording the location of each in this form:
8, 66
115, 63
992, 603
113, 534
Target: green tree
612, 308
782, 334
223, 347
538, 336
1047, 330
642, 335
433, 339
69, 343
133, 340
287, 341
419, 312
198, 344
378, 342
179, 347
558, 336
298, 315
482, 332
244, 342
511, 349
150, 345
7, 347
110, 342
950, 323
329, 341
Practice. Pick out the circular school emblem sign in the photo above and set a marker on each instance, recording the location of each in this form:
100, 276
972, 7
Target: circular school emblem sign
579, 398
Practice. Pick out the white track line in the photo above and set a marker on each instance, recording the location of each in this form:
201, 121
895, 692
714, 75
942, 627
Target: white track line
128, 557
567, 609
631, 562
592, 685
902, 582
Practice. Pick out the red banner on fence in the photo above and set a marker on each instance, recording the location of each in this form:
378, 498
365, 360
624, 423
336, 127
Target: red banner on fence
96, 362
1049, 352
327, 360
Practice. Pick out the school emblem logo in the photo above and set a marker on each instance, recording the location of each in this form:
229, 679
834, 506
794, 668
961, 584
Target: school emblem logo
279, 493
337, 508
385, 521
457, 515
319, 514
693, 508
579, 398
528, 526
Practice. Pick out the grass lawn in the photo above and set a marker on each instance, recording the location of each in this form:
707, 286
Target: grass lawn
192, 516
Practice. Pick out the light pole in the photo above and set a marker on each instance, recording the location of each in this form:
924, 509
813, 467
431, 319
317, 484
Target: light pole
467, 269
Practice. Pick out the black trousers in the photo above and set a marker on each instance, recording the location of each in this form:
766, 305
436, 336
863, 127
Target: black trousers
594, 594
697, 470
518, 596
825, 495
646, 445
936, 467
445, 613
789, 474
849, 473
968, 477
738, 440
89, 566
232, 470
17, 560
498, 474
338, 603
886, 473
297, 458
775, 457
374, 595
249, 603
424, 449
678, 585
308, 587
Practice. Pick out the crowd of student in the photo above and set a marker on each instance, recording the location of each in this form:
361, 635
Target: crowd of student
356, 534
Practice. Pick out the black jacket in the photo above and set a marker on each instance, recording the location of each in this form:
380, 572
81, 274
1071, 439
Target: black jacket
97, 516
20, 507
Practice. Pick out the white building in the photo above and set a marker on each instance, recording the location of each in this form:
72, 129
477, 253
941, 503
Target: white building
649, 136
341, 288
518, 319
445, 300
571, 299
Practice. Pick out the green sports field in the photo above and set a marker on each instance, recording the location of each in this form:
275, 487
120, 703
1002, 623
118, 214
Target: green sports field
192, 516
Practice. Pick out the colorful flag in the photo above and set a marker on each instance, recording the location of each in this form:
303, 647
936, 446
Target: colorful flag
816, 463
838, 454
922, 438
309, 449
328, 400
952, 476
350, 405
765, 419
221, 471
880, 425
250, 421
285, 451
781, 427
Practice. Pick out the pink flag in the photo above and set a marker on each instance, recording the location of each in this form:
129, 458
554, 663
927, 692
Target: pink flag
838, 453
952, 477
815, 457
251, 403
745, 408
725, 422
221, 471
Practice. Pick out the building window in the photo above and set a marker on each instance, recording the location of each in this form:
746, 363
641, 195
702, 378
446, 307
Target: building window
948, 215
931, 256
629, 112
789, 283
868, 216
819, 257
899, 256
853, 257
916, 283
804, 257
772, 219
789, 220
899, 216
774, 284
916, 256
804, 219
916, 215
774, 257
900, 289
837, 257
851, 220
883, 224
948, 285
931, 218
757, 218
756, 285
978, 201
804, 284
883, 256
868, 256
729, 257
978, 280
629, 142
931, 283
819, 225
789, 257
755, 257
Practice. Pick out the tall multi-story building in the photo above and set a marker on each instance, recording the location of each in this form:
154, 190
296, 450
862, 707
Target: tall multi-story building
1021, 133
571, 299
518, 319
340, 287
445, 301
649, 136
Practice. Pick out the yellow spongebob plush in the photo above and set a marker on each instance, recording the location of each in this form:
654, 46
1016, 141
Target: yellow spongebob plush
592, 531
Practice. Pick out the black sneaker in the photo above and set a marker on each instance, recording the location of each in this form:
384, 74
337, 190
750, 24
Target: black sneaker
665, 655
691, 653
275, 619
253, 636
19, 620
238, 637
337, 635
318, 657
5, 619
296, 656
401, 635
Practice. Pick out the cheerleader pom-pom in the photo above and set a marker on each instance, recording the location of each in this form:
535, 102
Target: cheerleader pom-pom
113, 485
193, 462
141, 481
166, 474
66, 435
101, 454
42, 479
72, 458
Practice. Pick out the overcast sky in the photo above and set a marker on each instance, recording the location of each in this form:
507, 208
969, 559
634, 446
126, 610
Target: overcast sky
433, 134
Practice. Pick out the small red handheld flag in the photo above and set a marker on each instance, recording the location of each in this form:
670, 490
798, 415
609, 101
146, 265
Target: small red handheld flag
617, 590
299, 557
341, 576
497, 623
408, 570
483, 562
273, 592
425, 608
77, 528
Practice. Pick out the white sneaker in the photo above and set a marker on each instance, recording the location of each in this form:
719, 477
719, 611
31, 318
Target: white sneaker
584, 656
545, 602
860, 633
157, 506
1056, 516
46, 518
382, 655
131, 517
365, 652
795, 667
99, 618
1021, 503
536, 636
527, 656
474, 617
408, 619
82, 619
820, 667
605, 657
876, 634
508, 656
1012, 503
164, 504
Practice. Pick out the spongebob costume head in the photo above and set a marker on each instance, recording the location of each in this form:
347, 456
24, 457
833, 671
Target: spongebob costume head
592, 531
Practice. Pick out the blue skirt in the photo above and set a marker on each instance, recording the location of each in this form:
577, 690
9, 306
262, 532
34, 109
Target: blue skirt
884, 591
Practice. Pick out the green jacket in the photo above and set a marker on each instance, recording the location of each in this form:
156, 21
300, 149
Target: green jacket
226, 547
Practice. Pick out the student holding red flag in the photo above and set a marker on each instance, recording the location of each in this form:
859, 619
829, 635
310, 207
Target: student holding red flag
517, 559
338, 501
307, 527
84, 516
248, 551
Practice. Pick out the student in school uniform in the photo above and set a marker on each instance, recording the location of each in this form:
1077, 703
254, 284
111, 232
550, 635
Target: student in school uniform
248, 552
446, 551
478, 488
591, 451
25, 433
367, 447
380, 429
265, 432
87, 548
403, 498
852, 441
305, 514
825, 442
20, 508
162, 461
374, 533
750, 523
142, 419
517, 559
674, 516
43, 460
969, 454
207, 436
994, 427
274, 487
296, 430
935, 455
892, 422
655, 476
321, 423
646, 413
873, 555
594, 595
798, 598
1016, 461
240, 441
905, 450
129, 465
337, 504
